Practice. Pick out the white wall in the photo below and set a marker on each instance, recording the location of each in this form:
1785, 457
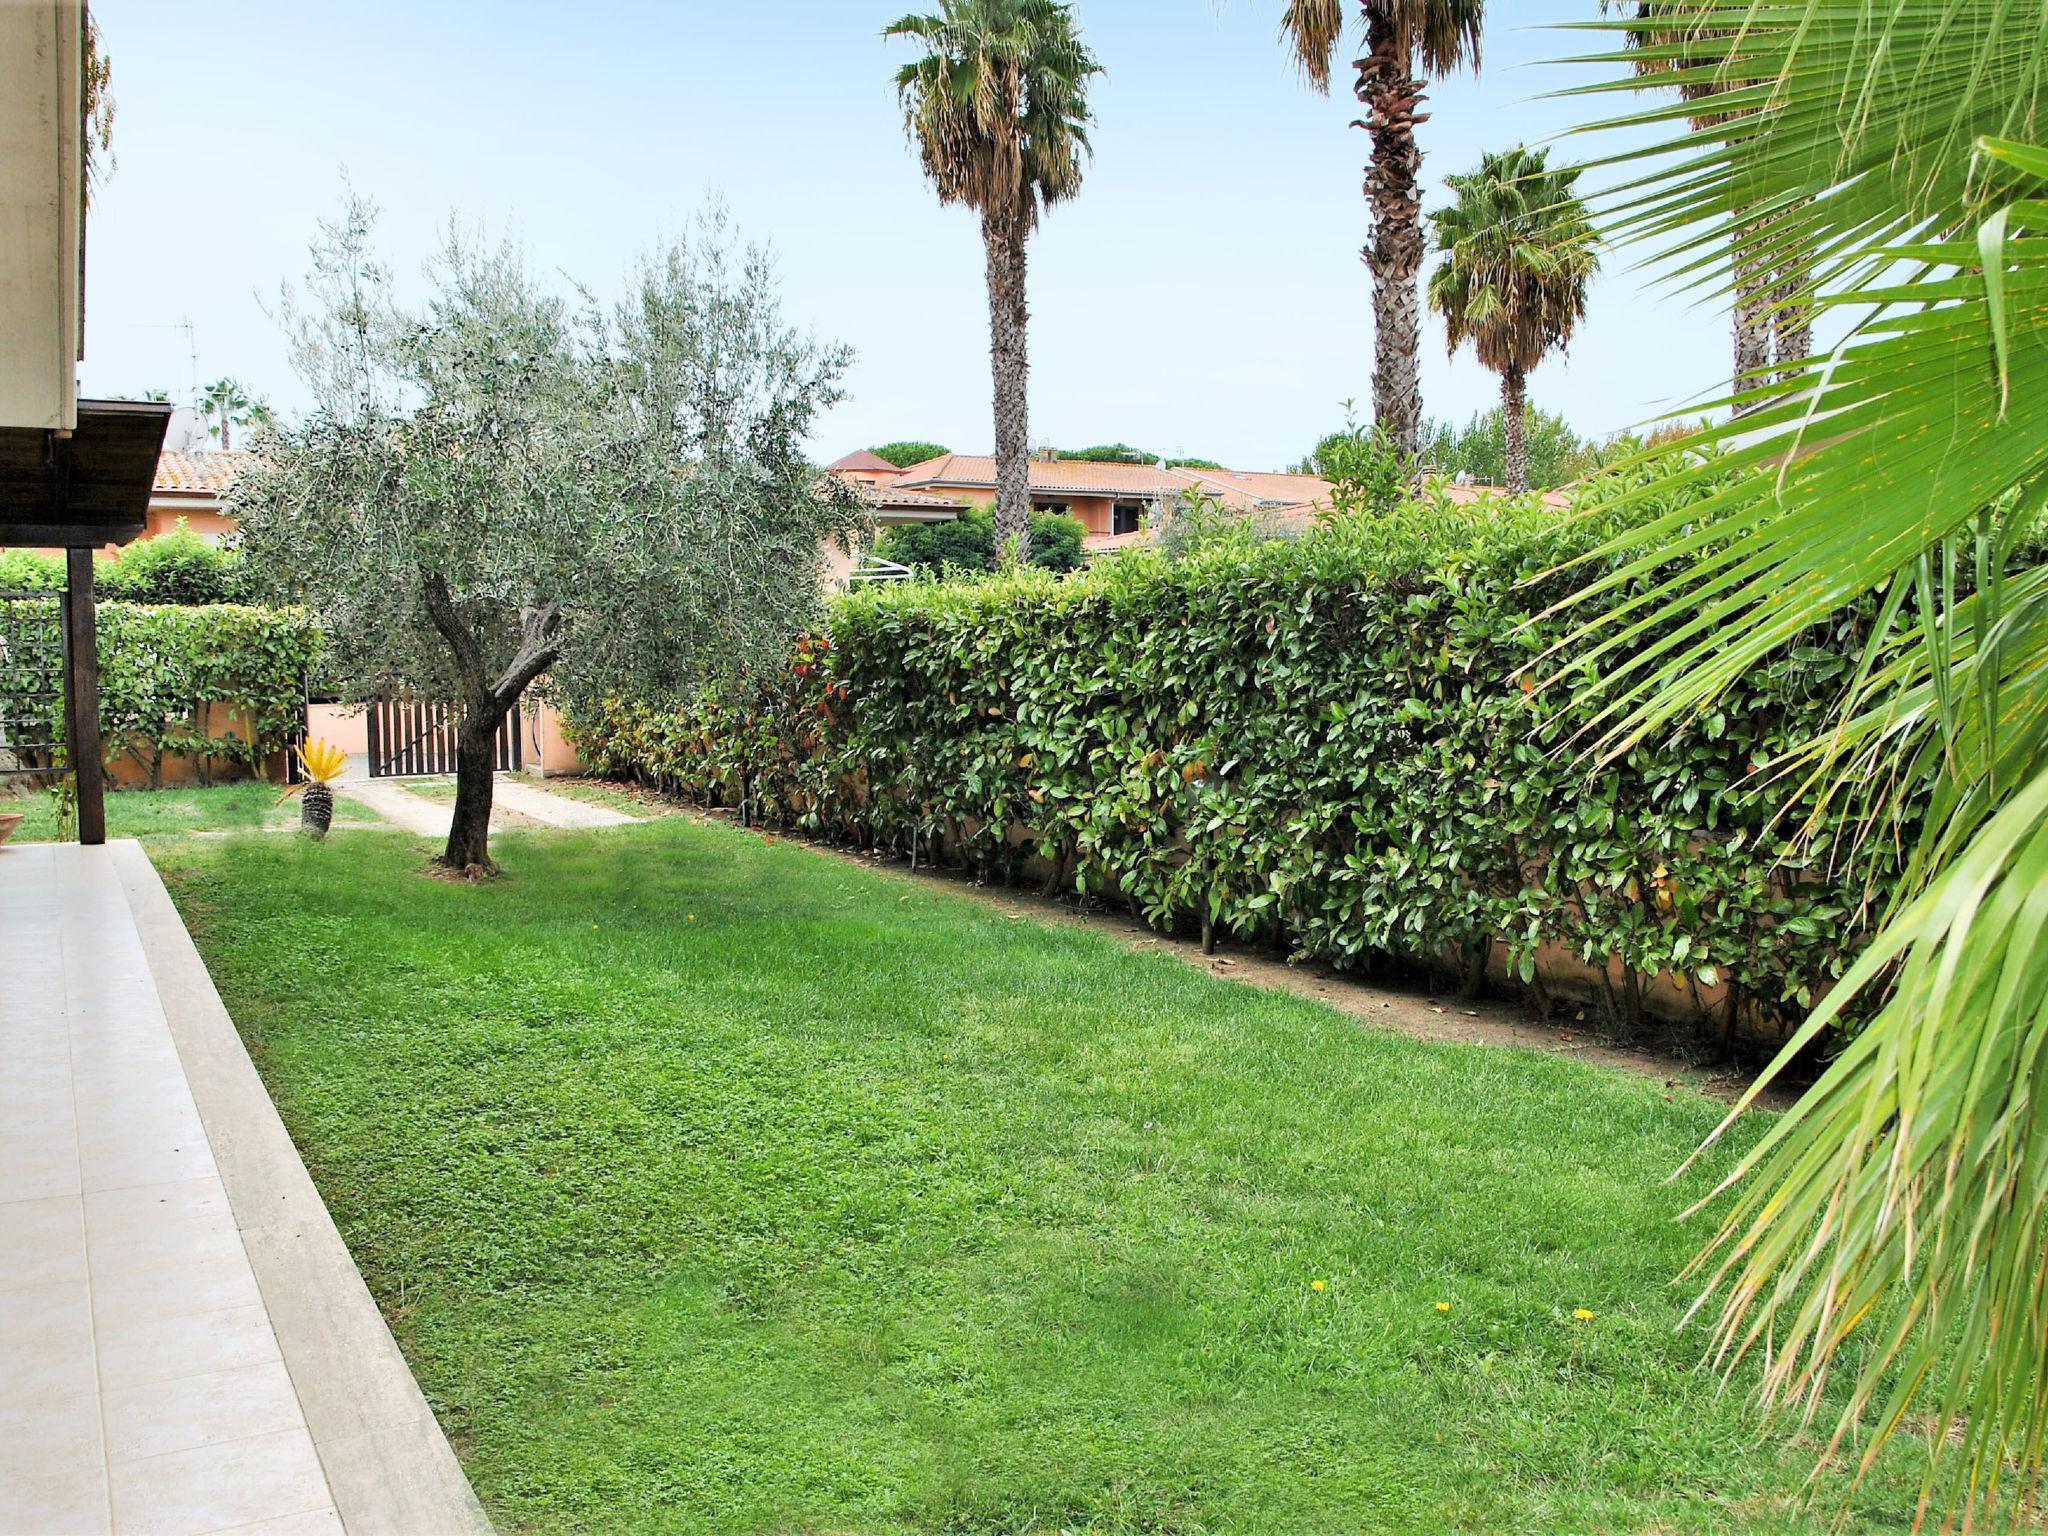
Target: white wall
40, 166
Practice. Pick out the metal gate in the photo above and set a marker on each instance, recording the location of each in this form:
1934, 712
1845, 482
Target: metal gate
413, 738
31, 682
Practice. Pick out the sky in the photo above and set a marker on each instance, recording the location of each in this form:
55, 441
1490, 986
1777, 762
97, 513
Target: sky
1203, 295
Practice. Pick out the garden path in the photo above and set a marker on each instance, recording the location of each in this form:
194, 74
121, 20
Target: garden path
514, 804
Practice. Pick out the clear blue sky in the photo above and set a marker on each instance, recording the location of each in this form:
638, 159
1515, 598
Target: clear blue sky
1203, 295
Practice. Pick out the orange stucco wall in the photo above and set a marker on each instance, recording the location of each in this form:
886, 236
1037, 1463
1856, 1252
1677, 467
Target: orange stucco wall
1093, 511
205, 520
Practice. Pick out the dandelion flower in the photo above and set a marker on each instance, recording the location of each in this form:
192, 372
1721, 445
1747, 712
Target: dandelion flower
1443, 1306
1315, 1285
1584, 1314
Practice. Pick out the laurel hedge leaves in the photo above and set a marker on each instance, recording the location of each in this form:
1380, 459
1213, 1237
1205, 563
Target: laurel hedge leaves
1336, 743
224, 685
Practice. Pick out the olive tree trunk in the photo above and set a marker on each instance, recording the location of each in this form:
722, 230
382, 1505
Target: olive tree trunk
1392, 96
1514, 411
1009, 363
486, 701
469, 830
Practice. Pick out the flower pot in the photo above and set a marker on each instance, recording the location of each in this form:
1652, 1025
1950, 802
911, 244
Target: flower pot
9, 820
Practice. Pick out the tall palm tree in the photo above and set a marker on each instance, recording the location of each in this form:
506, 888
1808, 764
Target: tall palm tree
998, 110
1518, 251
228, 405
1406, 43
1893, 1227
1675, 43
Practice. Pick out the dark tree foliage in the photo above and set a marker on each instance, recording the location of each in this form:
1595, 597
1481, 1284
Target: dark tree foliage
908, 452
968, 542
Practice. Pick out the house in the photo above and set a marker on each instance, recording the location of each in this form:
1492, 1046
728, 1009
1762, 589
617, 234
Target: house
190, 487
865, 468
878, 483
1115, 502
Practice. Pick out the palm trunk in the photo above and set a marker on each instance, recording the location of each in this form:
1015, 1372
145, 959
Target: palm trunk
1514, 410
1792, 315
469, 830
1010, 365
1392, 97
1752, 316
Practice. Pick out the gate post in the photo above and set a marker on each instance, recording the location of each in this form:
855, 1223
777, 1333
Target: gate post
82, 696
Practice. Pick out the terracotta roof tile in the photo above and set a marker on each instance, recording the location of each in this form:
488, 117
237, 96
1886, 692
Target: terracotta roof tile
200, 474
865, 463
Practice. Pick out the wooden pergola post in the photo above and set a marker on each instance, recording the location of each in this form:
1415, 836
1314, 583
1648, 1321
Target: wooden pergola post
82, 697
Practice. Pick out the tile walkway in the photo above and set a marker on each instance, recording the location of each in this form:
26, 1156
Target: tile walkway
185, 1346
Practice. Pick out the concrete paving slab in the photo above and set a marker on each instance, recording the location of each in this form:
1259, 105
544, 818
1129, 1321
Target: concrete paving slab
161, 1249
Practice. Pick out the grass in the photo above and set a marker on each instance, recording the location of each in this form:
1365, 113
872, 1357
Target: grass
715, 1186
178, 812
628, 799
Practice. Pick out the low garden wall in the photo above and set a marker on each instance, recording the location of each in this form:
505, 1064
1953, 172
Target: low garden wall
1333, 744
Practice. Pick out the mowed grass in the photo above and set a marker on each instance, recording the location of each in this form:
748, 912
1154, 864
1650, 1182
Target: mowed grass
179, 812
715, 1186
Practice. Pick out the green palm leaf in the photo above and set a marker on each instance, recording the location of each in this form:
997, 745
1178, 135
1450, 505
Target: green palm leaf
1891, 1229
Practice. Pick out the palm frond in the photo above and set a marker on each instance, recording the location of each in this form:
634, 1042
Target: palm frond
1894, 1224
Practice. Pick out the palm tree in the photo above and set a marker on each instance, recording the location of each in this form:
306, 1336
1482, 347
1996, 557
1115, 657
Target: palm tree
1892, 1227
1772, 320
1518, 251
1406, 42
998, 110
225, 402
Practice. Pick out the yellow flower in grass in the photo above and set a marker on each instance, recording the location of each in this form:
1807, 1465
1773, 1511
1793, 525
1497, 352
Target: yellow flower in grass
1443, 1306
1584, 1314
1315, 1285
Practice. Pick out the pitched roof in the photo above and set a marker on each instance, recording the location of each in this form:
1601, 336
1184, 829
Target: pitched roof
865, 463
886, 496
1242, 489
199, 474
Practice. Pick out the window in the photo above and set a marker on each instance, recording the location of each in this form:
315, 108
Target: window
1126, 517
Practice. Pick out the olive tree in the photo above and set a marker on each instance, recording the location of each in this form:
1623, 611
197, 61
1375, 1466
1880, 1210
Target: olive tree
502, 485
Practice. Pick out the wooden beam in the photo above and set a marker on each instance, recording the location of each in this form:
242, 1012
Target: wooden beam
82, 696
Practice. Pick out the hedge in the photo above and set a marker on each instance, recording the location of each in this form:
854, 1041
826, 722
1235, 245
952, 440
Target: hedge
1330, 744
222, 684
175, 567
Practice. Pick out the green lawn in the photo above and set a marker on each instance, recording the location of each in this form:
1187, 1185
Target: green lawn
175, 812
714, 1186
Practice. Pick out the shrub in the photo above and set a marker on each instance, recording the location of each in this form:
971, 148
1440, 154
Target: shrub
1331, 743
23, 570
220, 684
175, 567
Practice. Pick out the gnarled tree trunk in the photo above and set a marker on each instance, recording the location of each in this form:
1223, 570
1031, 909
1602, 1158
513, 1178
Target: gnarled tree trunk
1392, 96
469, 831
486, 701
1514, 411
1009, 363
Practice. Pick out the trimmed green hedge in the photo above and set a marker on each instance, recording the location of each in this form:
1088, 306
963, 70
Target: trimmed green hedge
1328, 742
224, 685
175, 567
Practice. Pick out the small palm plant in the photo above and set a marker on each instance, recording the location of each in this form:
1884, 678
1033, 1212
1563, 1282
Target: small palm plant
322, 762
